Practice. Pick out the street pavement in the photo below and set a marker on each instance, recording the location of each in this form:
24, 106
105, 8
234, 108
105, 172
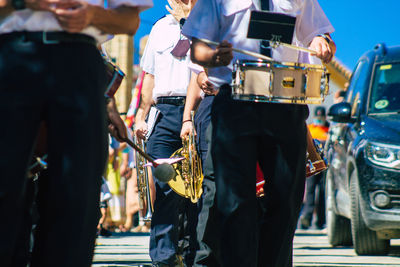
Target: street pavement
311, 248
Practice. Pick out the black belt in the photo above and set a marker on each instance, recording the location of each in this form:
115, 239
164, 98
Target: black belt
172, 100
48, 37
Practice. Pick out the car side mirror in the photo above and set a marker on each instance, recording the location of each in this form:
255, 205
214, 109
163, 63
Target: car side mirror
340, 112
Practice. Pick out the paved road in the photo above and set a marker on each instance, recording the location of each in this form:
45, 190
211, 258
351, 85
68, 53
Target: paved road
311, 249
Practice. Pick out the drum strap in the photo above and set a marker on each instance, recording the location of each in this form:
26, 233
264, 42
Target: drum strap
265, 44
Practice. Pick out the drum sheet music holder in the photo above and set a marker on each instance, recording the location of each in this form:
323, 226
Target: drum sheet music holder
271, 26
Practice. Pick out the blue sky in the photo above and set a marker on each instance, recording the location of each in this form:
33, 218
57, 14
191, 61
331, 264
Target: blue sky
359, 25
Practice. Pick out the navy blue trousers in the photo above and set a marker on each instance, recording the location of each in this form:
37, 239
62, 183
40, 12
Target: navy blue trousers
169, 207
275, 136
63, 85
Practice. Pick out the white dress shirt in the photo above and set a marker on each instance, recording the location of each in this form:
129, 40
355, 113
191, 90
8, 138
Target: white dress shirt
219, 20
171, 74
29, 20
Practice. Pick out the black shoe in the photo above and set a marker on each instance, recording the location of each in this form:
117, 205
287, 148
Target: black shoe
304, 222
104, 232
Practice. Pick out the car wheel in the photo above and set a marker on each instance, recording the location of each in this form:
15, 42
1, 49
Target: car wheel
366, 241
338, 227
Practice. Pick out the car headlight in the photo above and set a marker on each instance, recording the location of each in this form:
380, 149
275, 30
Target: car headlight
383, 155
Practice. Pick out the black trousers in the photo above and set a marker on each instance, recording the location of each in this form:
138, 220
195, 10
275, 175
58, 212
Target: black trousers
62, 84
313, 201
207, 226
275, 135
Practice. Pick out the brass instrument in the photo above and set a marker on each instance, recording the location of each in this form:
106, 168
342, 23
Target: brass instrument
143, 182
189, 179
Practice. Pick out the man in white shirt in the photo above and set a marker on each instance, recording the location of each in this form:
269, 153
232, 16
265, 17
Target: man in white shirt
165, 84
247, 132
52, 71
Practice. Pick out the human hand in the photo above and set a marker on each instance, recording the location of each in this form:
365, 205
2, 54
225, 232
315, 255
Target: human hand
76, 17
5, 3
222, 55
205, 85
179, 9
140, 129
124, 170
116, 125
187, 129
48, 5
324, 50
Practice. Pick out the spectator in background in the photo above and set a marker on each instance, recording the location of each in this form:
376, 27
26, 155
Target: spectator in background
340, 94
319, 130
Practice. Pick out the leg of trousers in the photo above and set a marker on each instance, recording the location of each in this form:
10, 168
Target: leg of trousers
207, 228
168, 205
309, 204
315, 202
63, 85
273, 134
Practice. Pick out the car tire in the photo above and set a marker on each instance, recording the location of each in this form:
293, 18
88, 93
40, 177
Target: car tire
338, 227
366, 241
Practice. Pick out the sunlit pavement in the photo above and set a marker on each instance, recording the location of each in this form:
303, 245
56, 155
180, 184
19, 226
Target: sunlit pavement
122, 249
311, 249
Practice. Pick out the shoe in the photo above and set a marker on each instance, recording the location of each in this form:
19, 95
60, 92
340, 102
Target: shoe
177, 263
137, 229
145, 228
304, 222
104, 232
124, 229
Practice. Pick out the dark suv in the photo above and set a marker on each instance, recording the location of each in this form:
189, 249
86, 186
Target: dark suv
363, 151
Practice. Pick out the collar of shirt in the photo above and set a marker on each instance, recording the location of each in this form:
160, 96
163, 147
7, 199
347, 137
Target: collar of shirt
292, 7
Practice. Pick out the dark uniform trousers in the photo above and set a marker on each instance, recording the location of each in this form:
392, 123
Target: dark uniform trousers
275, 135
207, 229
64, 85
313, 202
169, 207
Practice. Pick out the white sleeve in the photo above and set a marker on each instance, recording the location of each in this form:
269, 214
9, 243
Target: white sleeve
203, 21
311, 22
142, 4
195, 67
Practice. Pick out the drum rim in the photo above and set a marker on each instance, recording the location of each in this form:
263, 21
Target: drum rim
263, 63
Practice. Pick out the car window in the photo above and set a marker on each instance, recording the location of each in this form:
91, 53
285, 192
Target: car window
385, 93
358, 84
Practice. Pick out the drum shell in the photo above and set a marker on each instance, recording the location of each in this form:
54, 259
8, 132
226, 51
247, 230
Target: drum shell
259, 81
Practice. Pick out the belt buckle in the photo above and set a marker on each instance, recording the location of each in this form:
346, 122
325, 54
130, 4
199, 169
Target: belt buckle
47, 41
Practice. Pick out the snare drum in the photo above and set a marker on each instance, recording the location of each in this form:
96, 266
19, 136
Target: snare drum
114, 77
264, 81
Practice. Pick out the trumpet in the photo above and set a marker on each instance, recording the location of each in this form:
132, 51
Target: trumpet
143, 182
189, 179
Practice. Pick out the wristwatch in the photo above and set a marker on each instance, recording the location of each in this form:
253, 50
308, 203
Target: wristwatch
18, 4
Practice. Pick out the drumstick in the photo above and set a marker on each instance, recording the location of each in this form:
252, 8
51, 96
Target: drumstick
140, 151
295, 47
257, 55
242, 51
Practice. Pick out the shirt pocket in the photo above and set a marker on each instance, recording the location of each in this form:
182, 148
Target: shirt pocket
163, 55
